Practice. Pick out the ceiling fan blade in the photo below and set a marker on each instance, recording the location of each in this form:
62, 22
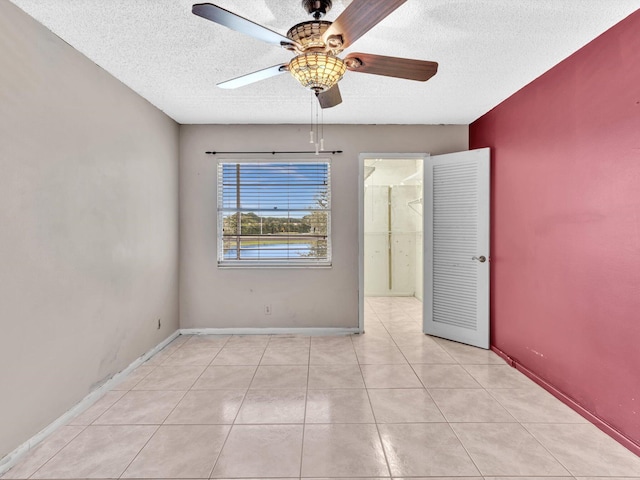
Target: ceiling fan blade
359, 17
407, 68
254, 77
330, 98
240, 24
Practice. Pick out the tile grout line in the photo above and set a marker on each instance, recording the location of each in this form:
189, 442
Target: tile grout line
441, 412
226, 438
435, 403
486, 390
158, 426
411, 365
84, 427
546, 449
306, 400
143, 447
392, 340
384, 450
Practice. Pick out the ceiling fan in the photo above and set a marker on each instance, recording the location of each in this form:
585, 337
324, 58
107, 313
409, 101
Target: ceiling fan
317, 44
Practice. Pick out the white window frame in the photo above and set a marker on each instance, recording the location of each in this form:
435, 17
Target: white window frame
268, 263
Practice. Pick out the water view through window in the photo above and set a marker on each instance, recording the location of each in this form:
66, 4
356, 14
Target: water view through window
274, 212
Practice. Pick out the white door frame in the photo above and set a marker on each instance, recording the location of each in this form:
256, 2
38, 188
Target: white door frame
362, 157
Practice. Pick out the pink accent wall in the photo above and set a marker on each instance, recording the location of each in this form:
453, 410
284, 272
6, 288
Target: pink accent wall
566, 227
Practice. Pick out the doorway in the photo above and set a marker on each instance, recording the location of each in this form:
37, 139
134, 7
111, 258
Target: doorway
450, 195
391, 231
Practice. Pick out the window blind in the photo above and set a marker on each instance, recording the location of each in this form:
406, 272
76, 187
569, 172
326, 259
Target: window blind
274, 213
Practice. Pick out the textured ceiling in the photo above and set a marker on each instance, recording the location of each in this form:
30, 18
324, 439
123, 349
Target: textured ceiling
487, 50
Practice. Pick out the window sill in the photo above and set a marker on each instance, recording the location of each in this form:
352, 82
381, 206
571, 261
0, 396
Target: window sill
278, 266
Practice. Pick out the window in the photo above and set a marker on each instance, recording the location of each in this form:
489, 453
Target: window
274, 214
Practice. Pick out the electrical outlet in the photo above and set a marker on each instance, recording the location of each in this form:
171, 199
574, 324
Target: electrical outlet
159, 324
267, 309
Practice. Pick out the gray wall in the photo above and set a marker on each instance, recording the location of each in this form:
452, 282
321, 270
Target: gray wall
88, 226
213, 297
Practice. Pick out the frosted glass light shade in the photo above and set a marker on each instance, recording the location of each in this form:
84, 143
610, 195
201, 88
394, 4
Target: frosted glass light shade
309, 34
317, 71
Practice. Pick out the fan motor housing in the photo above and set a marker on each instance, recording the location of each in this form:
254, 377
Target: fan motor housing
317, 8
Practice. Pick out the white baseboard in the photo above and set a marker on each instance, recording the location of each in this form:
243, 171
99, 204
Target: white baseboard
13, 457
270, 331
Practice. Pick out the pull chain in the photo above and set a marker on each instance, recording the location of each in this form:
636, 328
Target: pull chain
311, 139
322, 130
317, 130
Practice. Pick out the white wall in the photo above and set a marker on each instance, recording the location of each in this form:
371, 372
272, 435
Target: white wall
213, 297
88, 226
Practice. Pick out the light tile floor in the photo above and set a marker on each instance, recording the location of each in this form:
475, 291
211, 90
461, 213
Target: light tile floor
392, 403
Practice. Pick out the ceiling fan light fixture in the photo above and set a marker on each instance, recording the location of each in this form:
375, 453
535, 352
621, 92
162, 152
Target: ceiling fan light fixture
309, 34
317, 44
317, 71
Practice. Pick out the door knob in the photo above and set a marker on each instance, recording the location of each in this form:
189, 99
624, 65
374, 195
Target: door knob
481, 258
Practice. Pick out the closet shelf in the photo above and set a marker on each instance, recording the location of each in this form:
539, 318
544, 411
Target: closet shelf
413, 205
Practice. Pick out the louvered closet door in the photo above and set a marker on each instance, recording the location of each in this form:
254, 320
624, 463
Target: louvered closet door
456, 215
